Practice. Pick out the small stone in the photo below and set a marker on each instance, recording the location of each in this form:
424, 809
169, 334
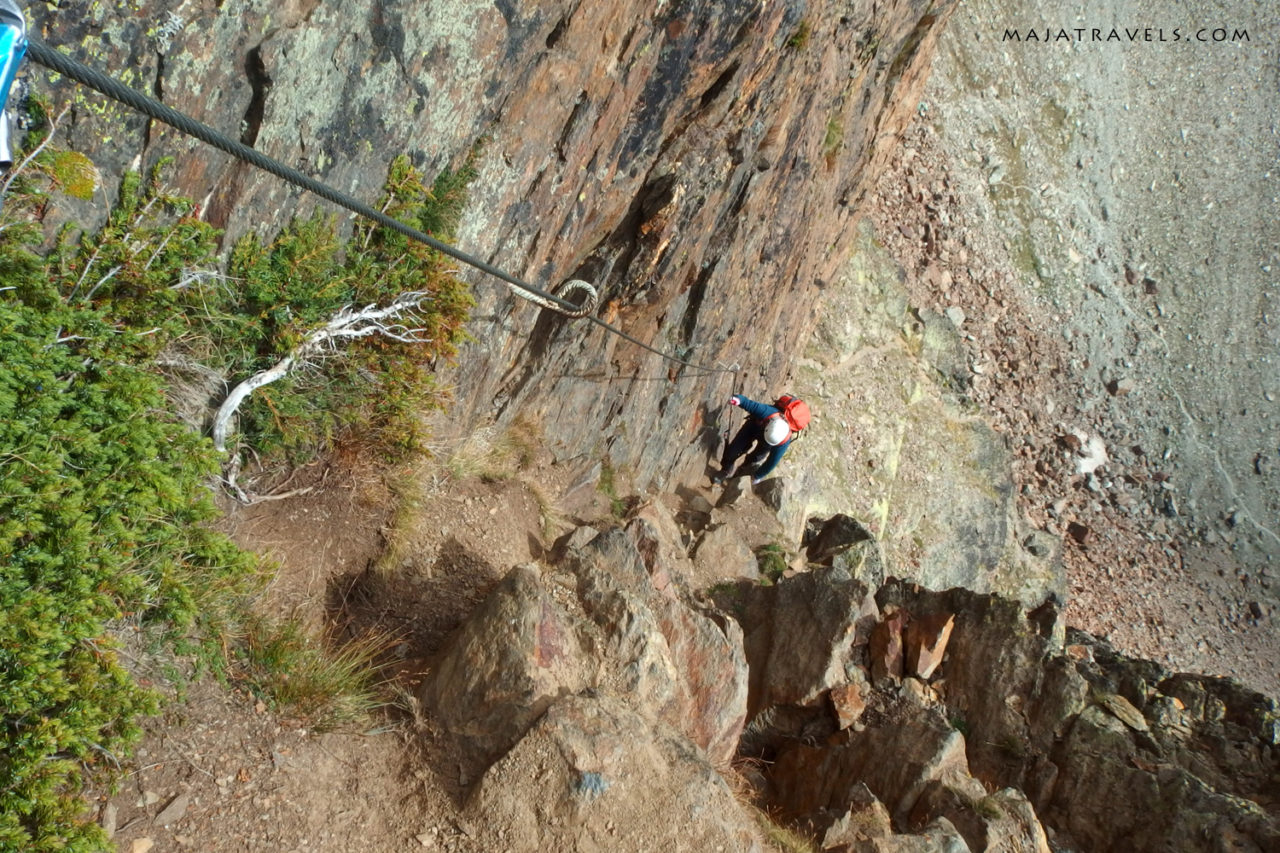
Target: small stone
956, 315
1035, 547
1079, 652
926, 643
848, 704
1122, 709
109, 818
141, 845
1120, 387
1078, 532
175, 811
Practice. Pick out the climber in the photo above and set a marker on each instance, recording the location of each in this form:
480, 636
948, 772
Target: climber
764, 439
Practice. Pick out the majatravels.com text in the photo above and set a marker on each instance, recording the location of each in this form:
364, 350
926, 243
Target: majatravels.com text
1045, 35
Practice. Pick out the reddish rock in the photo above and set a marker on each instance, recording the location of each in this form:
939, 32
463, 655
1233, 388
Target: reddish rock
926, 643
1079, 652
848, 704
886, 646
676, 663
490, 683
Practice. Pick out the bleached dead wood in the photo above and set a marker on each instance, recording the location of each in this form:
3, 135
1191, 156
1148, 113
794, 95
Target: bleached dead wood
394, 321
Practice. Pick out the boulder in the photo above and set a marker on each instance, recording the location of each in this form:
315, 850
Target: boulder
773, 494
516, 654
863, 819
863, 561
721, 553
1004, 821
897, 759
660, 542
938, 837
834, 536
679, 664
625, 628
594, 775
801, 634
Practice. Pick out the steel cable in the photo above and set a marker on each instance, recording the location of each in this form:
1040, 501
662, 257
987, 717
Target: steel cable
65, 65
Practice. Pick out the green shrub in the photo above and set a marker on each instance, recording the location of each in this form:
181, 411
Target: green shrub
833, 140
799, 39
609, 488
772, 562
104, 496
101, 504
375, 387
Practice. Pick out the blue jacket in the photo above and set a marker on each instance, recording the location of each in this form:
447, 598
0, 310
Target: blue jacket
760, 412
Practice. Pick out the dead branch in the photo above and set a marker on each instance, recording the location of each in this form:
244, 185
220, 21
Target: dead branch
394, 321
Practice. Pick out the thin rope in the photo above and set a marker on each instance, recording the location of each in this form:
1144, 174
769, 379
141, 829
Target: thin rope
65, 65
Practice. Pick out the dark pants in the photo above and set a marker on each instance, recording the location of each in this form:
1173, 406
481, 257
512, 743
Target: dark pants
748, 442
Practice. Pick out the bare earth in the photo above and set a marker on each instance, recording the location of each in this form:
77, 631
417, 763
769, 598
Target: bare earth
406, 553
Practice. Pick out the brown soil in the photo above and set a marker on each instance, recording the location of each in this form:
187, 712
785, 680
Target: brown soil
356, 550
251, 777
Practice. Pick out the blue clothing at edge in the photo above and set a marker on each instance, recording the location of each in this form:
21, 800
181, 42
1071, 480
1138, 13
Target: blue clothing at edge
750, 439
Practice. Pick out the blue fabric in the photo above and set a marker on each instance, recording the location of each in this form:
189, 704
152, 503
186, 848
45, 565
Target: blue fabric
13, 46
750, 441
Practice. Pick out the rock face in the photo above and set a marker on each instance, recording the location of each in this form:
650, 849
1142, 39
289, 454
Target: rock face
899, 448
608, 624
1089, 742
889, 719
701, 163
